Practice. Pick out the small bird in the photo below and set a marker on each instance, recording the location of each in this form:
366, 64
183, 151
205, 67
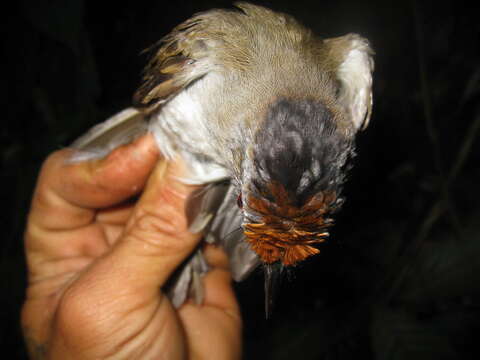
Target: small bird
265, 114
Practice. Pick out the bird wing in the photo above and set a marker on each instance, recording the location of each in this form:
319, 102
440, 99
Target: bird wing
354, 73
178, 59
226, 230
214, 211
105, 137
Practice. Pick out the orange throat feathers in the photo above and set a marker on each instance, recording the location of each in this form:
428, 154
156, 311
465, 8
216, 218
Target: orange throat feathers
288, 232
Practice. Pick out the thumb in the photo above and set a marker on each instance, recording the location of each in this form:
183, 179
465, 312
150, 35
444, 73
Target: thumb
154, 243
156, 239
124, 283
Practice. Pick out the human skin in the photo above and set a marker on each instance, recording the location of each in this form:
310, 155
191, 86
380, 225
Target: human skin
97, 262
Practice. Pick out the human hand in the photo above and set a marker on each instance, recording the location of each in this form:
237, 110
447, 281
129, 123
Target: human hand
97, 263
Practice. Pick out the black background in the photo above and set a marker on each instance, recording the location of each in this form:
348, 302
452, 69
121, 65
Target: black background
400, 275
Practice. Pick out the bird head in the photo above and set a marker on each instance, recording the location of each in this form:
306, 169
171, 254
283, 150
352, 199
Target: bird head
294, 180
292, 184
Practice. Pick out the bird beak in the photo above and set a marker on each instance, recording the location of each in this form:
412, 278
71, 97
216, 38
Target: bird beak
273, 277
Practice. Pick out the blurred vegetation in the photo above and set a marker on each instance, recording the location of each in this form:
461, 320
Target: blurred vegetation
400, 277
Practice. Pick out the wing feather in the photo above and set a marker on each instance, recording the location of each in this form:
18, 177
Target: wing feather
354, 73
103, 138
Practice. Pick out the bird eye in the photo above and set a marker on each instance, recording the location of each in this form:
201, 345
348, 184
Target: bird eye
239, 201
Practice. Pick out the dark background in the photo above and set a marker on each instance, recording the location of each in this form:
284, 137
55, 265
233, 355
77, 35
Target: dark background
400, 275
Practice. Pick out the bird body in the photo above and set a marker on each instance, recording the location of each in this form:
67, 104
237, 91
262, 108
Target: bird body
252, 96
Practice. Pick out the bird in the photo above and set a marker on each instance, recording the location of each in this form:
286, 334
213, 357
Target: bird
265, 114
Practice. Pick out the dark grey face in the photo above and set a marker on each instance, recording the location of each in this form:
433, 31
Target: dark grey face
299, 160
299, 147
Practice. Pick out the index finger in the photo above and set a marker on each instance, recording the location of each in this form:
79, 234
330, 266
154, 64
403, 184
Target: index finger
68, 194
